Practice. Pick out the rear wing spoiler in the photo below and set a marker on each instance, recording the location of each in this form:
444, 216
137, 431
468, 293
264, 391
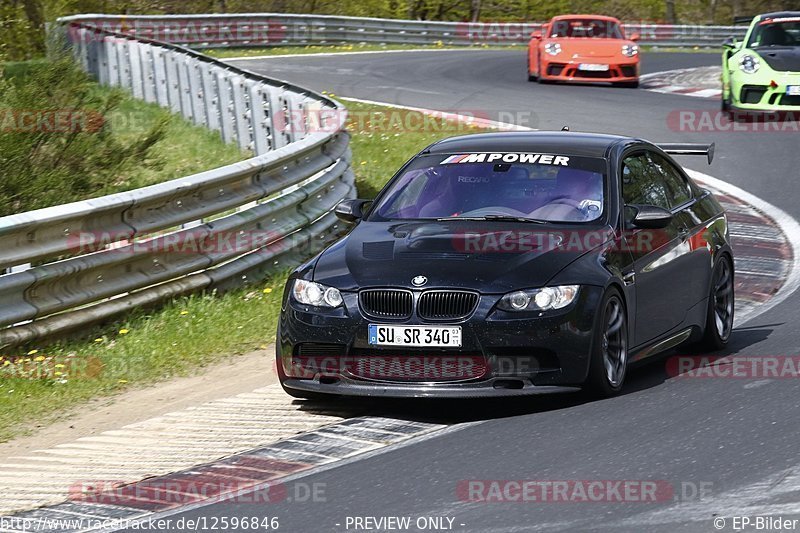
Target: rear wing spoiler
689, 149
742, 20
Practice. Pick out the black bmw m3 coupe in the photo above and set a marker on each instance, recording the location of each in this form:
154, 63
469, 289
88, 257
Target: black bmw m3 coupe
507, 264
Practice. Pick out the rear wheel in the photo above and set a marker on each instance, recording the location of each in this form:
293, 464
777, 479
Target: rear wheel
608, 364
719, 317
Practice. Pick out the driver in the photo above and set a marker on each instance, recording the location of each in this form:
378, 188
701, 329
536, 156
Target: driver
578, 197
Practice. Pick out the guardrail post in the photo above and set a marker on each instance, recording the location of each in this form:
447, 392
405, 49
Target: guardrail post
148, 62
124, 64
173, 82
137, 80
259, 107
110, 57
210, 95
196, 92
241, 113
227, 113
184, 87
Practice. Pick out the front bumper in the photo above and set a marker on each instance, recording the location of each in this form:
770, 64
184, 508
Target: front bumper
569, 71
757, 93
492, 388
534, 354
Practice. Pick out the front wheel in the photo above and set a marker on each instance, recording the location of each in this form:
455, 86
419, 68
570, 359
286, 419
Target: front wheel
608, 364
719, 316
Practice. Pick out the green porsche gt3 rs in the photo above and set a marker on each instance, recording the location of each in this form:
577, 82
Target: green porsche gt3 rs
762, 73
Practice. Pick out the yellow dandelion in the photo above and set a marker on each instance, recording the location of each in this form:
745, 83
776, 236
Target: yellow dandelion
184, 313
33, 352
59, 365
124, 331
98, 339
57, 374
122, 381
39, 359
6, 363
268, 290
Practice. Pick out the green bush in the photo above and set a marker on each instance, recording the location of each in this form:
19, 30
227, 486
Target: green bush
56, 143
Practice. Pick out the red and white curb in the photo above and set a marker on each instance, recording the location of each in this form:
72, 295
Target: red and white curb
699, 82
260, 476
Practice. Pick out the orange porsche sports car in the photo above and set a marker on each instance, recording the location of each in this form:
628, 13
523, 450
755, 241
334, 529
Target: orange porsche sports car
583, 48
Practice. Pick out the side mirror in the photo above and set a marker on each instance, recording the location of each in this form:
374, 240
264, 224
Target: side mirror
350, 211
635, 37
650, 217
730, 43
537, 35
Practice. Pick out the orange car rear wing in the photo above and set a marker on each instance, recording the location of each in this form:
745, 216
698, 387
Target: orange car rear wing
689, 149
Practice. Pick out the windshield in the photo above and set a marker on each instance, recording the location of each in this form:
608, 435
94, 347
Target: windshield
539, 187
586, 28
776, 32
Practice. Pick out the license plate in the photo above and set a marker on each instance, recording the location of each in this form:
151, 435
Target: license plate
793, 90
593, 67
426, 336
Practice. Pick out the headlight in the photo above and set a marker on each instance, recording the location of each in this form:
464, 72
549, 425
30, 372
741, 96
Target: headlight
630, 50
552, 48
539, 299
749, 64
316, 294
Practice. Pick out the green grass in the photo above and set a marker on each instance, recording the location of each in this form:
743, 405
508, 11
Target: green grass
119, 143
185, 148
191, 332
356, 47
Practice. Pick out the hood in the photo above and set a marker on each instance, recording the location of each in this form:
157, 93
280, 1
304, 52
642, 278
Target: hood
573, 48
489, 257
785, 59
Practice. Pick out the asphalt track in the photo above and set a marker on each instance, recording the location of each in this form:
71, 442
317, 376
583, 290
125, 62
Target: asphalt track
737, 439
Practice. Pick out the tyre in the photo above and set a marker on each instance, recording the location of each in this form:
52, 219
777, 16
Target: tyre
531, 75
629, 84
719, 316
608, 363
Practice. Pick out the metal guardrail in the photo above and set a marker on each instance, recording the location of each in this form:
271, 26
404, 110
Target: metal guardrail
96, 258
276, 29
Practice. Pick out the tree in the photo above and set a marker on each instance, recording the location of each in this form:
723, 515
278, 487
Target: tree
475, 11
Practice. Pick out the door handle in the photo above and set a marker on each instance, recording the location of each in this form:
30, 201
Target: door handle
629, 278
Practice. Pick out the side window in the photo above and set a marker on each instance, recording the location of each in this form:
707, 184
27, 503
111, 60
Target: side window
642, 183
678, 191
